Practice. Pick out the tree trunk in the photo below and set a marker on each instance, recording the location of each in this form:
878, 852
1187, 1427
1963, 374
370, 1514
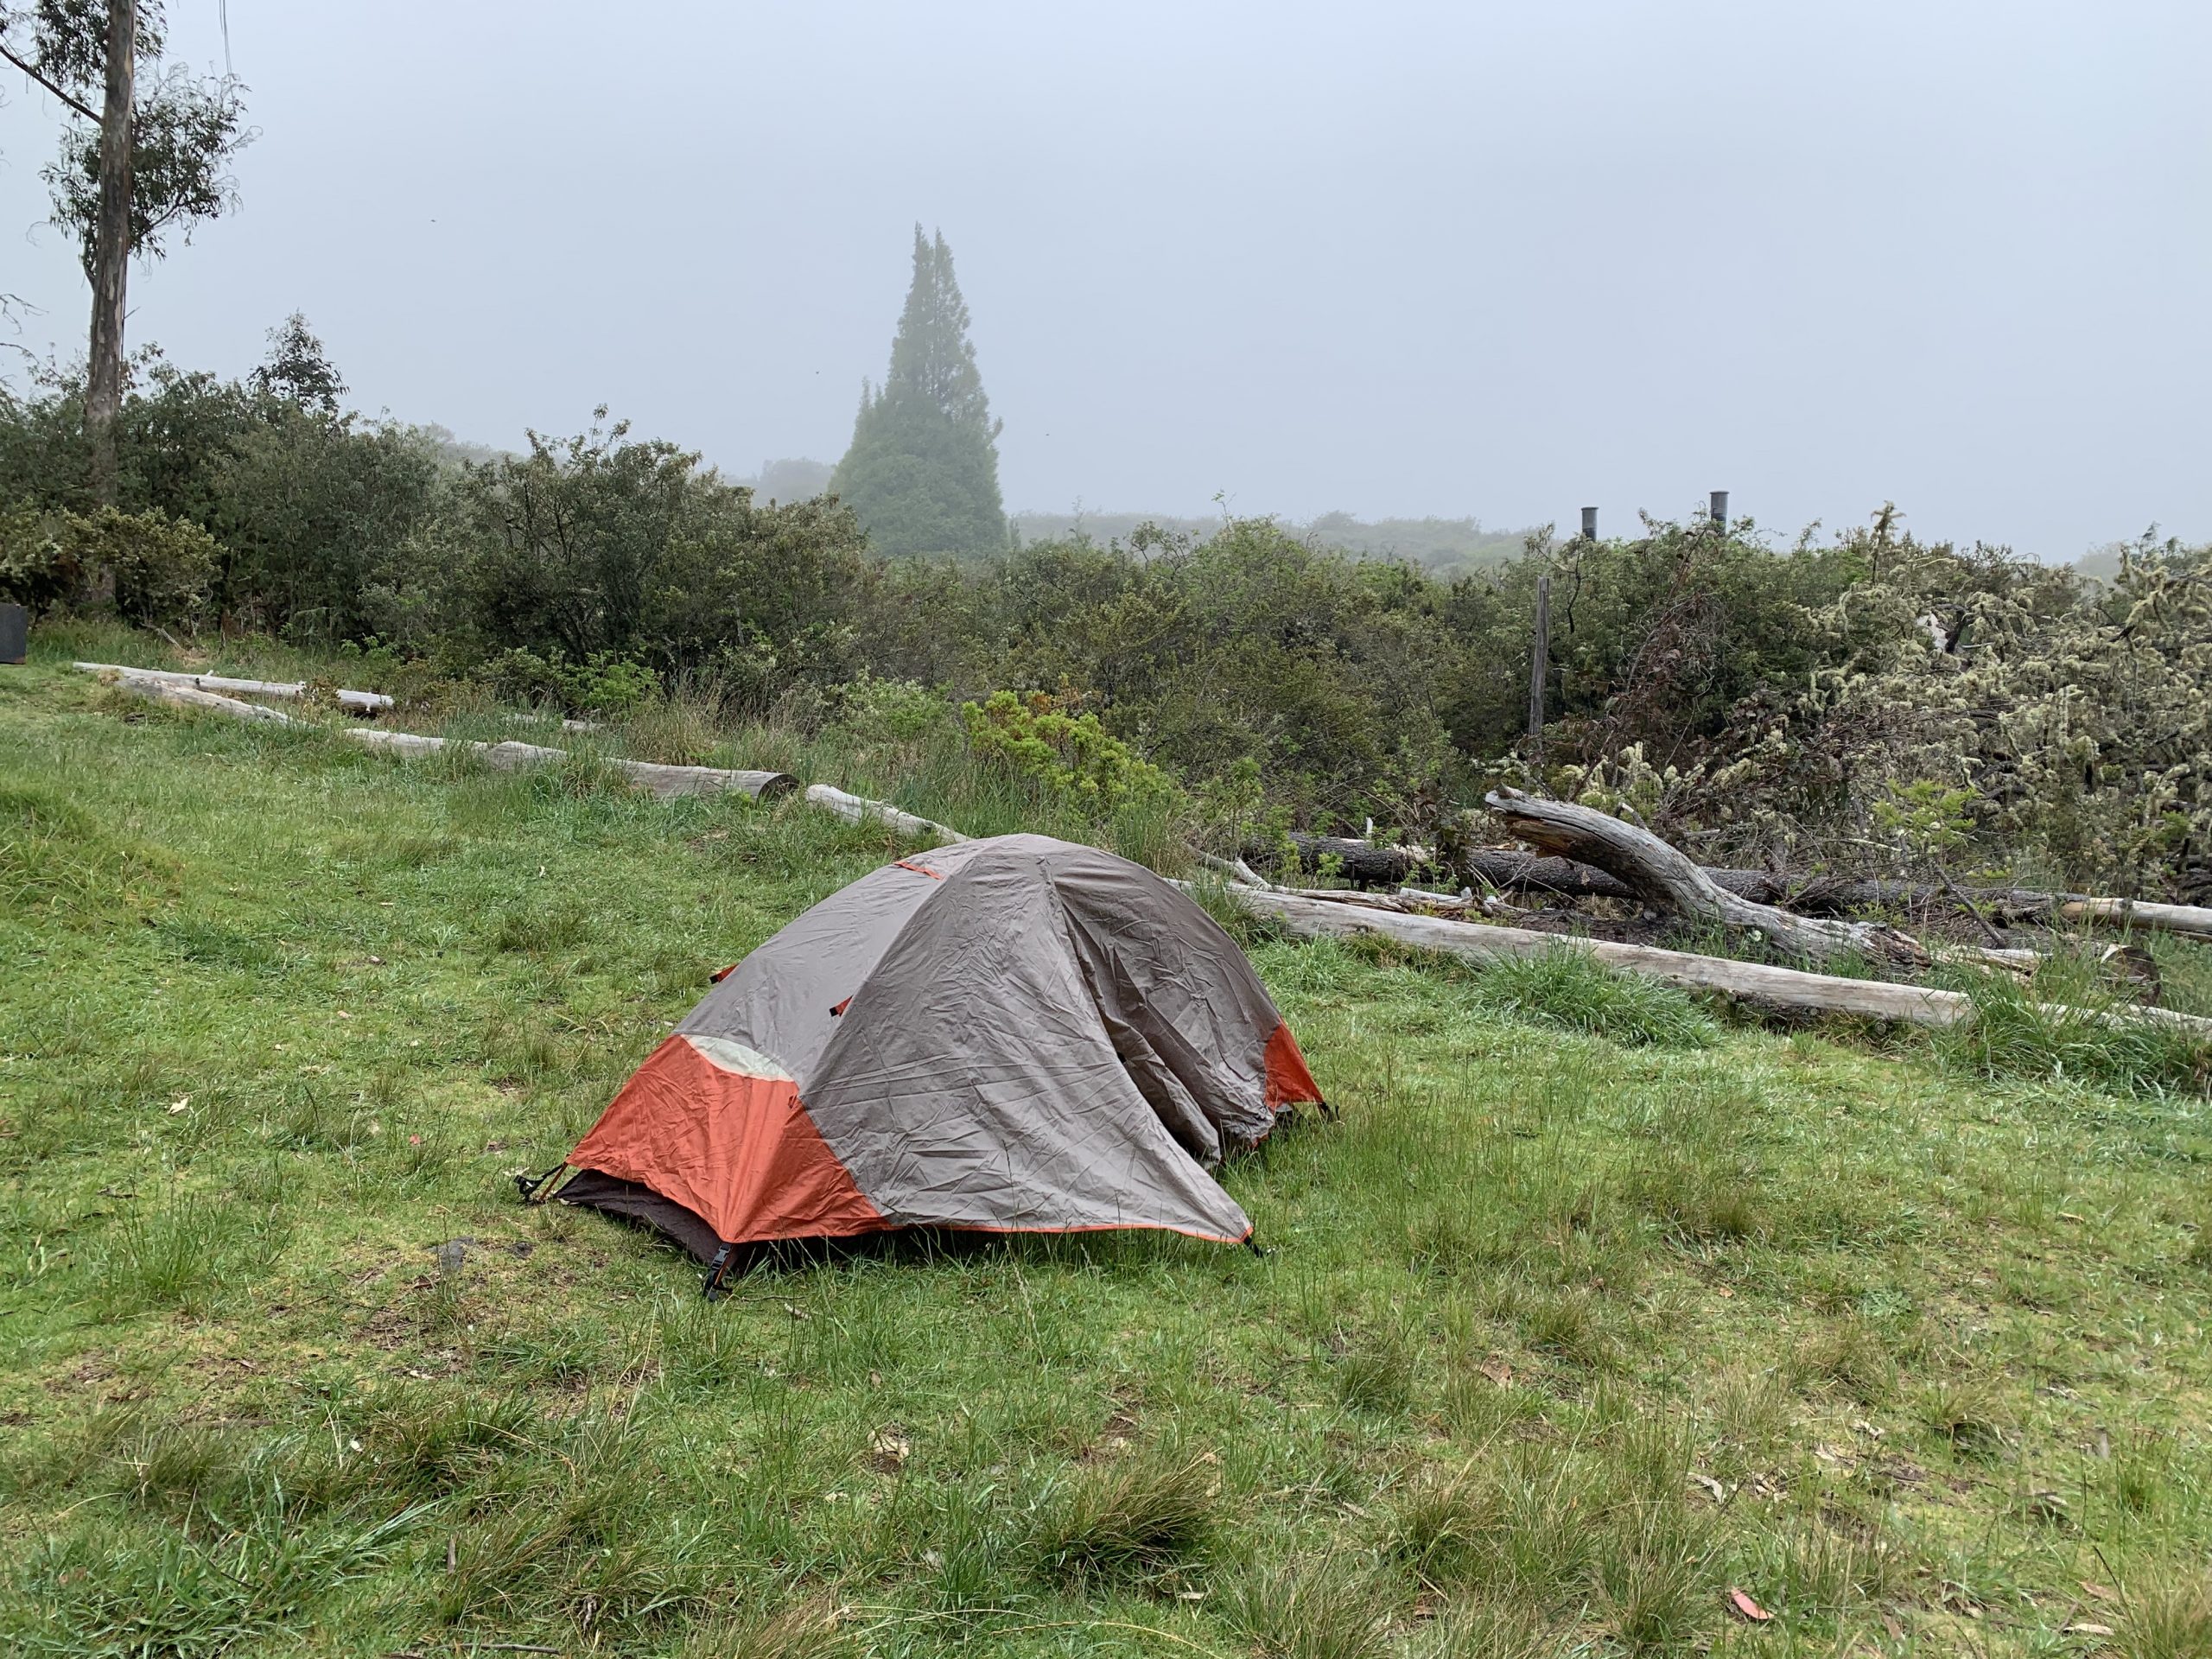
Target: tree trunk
111, 251
1665, 878
1539, 670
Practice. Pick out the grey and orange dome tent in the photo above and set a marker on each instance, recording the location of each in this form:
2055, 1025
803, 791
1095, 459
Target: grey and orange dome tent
1011, 1035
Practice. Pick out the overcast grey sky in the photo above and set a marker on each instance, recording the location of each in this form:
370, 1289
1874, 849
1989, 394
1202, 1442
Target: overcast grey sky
1483, 259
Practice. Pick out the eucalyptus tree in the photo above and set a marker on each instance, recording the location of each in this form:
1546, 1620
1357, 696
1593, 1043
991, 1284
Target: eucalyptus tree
144, 155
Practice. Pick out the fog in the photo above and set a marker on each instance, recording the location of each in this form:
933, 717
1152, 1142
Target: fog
1452, 259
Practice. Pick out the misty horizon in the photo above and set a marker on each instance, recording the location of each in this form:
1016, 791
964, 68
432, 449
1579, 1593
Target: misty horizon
1428, 262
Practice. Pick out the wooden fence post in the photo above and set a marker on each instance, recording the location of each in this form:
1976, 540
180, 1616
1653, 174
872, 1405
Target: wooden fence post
1539, 670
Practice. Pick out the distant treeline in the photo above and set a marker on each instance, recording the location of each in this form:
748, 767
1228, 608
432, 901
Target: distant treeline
1868, 699
1447, 547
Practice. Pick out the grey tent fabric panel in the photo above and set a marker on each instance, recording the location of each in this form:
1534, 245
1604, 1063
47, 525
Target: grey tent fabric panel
974, 1083
1159, 962
1182, 1116
778, 999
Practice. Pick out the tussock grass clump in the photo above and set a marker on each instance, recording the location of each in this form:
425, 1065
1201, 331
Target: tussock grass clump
313, 1119
1572, 1324
2066, 1025
811, 1629
1655, 1580
178, 1253
1320, 1607
1849, 1355
1964, 1412
1375, 1369
680, 729
1130, 1521
1572, 990
55, 855
2168, 1618
974, 1554
537, 928
1545, 1533
1701, 1199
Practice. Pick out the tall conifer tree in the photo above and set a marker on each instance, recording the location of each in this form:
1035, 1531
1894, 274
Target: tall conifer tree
923, 471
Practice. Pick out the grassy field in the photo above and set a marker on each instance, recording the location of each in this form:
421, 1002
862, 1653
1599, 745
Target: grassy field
1592, 1307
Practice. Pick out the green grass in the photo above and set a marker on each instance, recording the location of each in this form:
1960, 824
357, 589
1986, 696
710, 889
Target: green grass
1589, 1306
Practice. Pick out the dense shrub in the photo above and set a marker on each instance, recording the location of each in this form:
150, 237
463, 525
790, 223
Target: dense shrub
602, 545
1068, 756
149, 566
1869, 701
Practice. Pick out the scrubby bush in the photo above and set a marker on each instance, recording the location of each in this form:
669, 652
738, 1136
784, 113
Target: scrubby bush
149, 566
602, 547
1869, 702
1067, 757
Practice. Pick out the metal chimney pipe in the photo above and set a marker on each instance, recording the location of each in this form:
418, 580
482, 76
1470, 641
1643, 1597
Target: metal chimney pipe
1721, 510
1589, 523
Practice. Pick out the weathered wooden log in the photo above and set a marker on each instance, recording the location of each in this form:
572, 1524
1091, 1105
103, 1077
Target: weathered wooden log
669, 782
1231, 869
357, 703
1663, 877
858, 809
1535, 873
191, 696
1784, 988
2194, 920
662, 781
1361, 863
1753, 983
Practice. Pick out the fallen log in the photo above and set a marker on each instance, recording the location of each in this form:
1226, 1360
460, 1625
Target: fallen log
662, 781
1231, 869
1536, 872
1361, 863
2194, 920
189, 696
1752, 982
1785, 988
1664, 878
1826, 895
858, 809
357, 703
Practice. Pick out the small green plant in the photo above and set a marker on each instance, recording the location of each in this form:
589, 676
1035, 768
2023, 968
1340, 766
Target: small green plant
890, 711
1928, 821
606, 683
